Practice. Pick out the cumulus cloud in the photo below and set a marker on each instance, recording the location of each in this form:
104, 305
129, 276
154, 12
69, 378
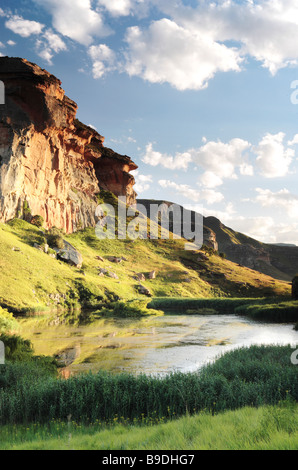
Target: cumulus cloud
154, 158
103, 59
167, 52
273, 158
265, 30
282, 199
117, 7
208, 195
143, 182
49, 44
76, 19
220, 160
22, 27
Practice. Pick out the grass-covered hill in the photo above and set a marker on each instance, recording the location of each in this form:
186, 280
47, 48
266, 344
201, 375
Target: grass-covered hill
279, 261
33, 280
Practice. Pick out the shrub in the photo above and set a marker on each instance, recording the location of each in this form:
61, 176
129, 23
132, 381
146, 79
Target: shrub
16, 348
7, 322
55, 241
38, 221
27, 215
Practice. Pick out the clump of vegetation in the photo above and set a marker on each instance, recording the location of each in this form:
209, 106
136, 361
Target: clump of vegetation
38, 221
27, 215
282, 312
7, 321
55, 238
129, 309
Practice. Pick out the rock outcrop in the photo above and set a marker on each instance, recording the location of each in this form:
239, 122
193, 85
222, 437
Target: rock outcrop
50, 163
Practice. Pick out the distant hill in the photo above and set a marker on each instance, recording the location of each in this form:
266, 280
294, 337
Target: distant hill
279, 261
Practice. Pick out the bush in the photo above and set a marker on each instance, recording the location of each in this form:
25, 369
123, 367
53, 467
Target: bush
16, 348
7, 321
27, 215
38, 221
55, 241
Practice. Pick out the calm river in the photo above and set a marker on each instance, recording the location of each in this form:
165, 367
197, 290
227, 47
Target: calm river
154, 345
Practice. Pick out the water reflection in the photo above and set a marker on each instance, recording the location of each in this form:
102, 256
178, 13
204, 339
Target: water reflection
155, 345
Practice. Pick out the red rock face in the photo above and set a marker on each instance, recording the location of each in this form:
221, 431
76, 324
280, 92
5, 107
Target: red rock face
48, 159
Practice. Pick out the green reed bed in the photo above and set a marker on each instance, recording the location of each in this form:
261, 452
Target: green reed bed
246, 377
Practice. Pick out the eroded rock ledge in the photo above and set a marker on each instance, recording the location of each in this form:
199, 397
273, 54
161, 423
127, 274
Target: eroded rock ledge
49, 161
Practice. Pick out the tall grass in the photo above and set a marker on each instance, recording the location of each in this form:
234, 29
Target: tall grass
247, 377
246, 429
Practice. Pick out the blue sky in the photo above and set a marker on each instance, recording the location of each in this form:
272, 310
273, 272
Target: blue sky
197, 93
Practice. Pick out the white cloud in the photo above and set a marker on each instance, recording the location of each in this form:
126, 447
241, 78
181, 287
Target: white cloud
263, 29
76, 19
273, 159
103, 59
294, 141
179, 162
49, 44
54, 41
246, 169
210, 180
282, 199
220, 160
167, 52
117, 7
22, 27
11, 43
143, 182
208, 195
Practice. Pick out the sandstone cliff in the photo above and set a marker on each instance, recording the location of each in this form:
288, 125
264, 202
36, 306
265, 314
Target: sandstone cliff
51, 164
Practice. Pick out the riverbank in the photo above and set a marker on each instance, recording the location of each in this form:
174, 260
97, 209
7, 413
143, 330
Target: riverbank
255, 376
276, 310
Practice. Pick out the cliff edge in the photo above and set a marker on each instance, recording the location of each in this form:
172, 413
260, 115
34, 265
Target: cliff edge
51, 164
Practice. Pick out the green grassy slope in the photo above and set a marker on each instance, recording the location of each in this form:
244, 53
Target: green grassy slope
29, 277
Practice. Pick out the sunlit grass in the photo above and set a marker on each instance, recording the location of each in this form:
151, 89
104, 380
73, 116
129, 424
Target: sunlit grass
266, 428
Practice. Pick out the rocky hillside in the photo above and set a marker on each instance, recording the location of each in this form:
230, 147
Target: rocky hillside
279, 261
51, 164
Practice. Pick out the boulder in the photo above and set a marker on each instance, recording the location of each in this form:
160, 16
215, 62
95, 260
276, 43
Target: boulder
114, 259
140, 277
113, 275
152, 275
70, 255
144, 291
